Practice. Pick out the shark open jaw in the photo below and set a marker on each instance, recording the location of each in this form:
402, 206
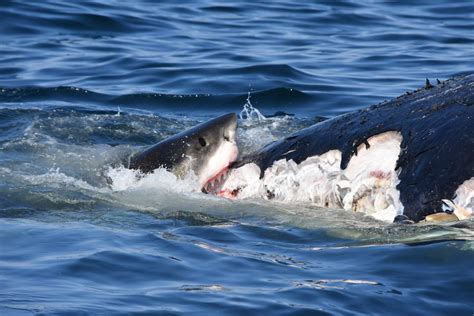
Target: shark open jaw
207, 150
214, 184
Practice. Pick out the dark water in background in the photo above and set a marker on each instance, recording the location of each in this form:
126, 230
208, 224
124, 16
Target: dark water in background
85, 82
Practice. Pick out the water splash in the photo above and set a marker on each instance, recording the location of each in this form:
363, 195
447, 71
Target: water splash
124, 179
249, 112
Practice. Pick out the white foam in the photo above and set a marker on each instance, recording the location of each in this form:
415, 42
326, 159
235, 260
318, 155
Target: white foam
124, 179
57, 179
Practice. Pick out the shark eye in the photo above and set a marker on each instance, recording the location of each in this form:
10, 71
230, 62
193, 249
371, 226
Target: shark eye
227, 138
202, 141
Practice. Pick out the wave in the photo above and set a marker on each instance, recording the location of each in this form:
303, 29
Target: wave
270, 100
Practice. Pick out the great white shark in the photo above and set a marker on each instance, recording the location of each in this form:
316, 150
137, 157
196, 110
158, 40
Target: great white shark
207, 150
404, 159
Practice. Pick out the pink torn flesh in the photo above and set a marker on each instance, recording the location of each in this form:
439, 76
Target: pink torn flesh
379, 174
228, 193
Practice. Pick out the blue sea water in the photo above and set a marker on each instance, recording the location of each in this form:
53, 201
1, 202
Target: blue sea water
83, 83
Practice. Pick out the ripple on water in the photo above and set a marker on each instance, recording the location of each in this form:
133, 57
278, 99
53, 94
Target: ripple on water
84, 85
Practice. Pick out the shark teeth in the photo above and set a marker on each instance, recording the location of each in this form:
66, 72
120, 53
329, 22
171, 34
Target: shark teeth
214, 184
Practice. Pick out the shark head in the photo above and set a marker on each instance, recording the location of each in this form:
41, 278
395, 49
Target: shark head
207, 149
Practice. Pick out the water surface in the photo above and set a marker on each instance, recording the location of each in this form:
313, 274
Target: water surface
84, 84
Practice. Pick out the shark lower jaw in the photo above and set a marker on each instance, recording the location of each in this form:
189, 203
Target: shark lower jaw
214, 184
218, 185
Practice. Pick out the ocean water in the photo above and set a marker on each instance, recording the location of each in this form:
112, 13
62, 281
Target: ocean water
84, 84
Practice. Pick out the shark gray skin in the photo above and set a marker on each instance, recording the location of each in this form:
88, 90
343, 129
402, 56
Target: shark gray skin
436, 153
206, 149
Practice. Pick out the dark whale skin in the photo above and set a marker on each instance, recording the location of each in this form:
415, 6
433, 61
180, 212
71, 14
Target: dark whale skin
437, 150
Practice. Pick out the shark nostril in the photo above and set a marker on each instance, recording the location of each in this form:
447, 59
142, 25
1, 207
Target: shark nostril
227, 138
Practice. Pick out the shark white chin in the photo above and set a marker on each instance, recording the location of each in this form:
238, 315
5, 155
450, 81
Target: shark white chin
213, 173
207, 150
